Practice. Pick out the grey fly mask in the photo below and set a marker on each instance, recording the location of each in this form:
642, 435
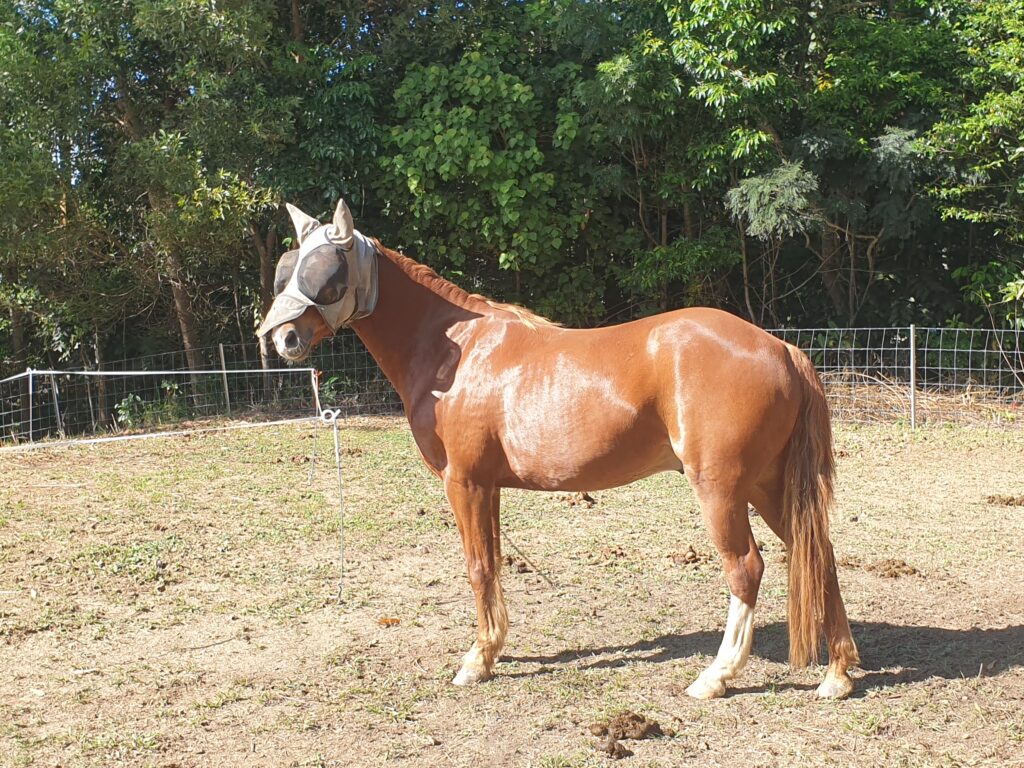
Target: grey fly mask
334, 270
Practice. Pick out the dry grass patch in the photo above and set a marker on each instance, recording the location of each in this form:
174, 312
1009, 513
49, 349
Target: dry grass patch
173, 603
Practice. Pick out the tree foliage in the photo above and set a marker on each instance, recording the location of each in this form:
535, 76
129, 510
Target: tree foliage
804, 163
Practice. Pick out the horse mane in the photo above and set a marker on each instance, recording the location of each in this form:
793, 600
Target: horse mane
530, 319
448, 290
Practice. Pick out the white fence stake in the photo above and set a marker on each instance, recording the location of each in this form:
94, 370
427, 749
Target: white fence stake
224, 377
913, 377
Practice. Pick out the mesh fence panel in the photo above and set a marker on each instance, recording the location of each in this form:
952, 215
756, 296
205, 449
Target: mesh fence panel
969, 375
961, 375
40, 405
863, 369
349, 380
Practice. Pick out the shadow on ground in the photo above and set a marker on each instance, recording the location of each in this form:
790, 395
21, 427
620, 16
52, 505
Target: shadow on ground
890, 654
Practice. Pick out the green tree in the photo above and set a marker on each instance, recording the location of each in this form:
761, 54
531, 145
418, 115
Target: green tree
835, 88
669, 191
147, 120
483, 175
981, 144
595, 161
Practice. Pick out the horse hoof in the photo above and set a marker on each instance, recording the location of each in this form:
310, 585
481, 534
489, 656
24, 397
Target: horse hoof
705, 689
835, 688
471, 676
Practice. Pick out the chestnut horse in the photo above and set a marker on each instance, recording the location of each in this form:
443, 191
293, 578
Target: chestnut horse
500, 398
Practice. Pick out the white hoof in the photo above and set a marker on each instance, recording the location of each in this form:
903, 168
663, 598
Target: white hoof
471, 676
835, 687
706, 688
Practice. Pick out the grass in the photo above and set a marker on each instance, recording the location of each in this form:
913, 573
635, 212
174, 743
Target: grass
120, 745
235, 692
143, 562
174, 602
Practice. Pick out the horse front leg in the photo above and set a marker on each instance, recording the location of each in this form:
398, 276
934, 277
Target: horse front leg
476, 509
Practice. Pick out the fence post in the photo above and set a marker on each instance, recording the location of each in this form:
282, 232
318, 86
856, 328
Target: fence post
88, 399
315, 381
31, 397
224, 376
913, 376
56, 405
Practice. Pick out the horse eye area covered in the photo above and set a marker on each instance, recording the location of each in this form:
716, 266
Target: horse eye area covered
285, 267
323, 274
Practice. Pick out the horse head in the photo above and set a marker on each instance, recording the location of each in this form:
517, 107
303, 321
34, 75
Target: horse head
323, 285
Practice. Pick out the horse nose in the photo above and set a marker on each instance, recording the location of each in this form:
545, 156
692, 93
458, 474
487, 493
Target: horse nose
291, 340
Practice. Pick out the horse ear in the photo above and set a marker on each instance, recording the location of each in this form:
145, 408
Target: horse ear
342, 229
304, 224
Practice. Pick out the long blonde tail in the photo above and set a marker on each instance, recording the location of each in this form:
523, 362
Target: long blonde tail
810, 469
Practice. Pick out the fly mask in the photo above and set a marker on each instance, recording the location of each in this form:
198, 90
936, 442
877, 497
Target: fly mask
334, 269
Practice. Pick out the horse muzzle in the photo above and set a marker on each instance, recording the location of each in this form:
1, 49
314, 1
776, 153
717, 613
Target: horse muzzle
290, 342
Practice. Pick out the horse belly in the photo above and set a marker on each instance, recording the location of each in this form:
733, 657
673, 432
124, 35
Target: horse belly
570, 432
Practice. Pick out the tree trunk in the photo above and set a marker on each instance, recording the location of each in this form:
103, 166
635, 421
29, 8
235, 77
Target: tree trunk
298, 29
264, 353
175, 271
183, 310
19, 358
746, 273
851, 288
664, 244
242, 338
133, 125
19, 349
689, 228
187, 323
266, 247
830, 269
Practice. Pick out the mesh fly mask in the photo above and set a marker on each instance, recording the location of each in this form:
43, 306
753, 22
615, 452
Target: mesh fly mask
339, 278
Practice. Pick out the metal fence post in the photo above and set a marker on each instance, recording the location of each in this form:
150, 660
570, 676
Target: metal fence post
56, 405
88, 399
31, 397
224, 376
913, 376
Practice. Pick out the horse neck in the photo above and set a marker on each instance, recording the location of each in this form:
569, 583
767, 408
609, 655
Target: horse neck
407, 331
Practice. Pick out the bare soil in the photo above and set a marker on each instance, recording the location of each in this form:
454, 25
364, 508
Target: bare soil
174, 602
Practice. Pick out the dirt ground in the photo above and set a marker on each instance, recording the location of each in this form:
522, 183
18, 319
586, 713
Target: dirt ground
172, 602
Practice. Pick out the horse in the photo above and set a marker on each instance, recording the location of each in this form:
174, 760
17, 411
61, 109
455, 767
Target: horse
498, 397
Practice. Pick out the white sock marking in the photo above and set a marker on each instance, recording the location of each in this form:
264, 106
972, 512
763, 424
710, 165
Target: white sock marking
739, 636
732, 654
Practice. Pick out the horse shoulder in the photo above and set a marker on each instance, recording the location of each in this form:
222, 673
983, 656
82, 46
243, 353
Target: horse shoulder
463, 415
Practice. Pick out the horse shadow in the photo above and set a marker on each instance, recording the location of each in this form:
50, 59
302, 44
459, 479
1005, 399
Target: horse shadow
890, 653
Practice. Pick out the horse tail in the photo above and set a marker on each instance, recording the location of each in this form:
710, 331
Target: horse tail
810, 468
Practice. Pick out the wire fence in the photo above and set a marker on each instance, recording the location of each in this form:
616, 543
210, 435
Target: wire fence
40, 405
918, 375
911, 375
349, 377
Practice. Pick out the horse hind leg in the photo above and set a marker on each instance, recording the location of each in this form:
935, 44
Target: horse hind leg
725, 515
842, 650
476, 511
